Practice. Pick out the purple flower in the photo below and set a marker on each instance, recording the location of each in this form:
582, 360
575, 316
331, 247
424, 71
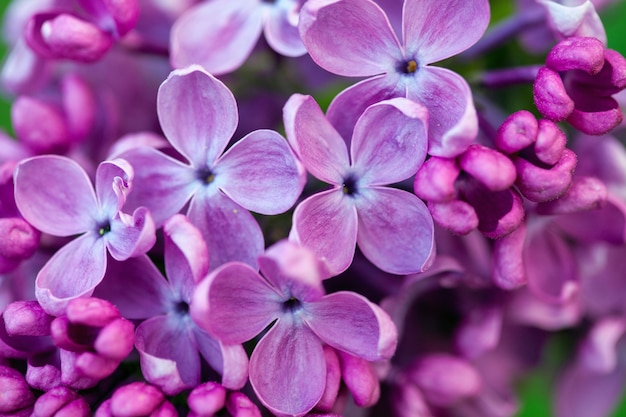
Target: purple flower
55, 195
354, 38
288, 365
219, 35
198, 116
136, 399
392, 227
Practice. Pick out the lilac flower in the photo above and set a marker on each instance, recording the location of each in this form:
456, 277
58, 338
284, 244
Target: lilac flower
54, 194
392, 227
198, 116
355, 38
219, 35
136, 399
170, 345
288, 366
61, 401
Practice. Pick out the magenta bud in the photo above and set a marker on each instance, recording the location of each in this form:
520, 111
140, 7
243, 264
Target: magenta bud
166, 409
91, 311
577, 53
136, 399
79, 106
585, 193
550, 95
115, 16
435, 180
606, 116
26, 318
540, 184
550, 142
95, 366
64, 338
40, 126
207, 399
239, 405
55, 401
15, 393
457, 216
333, 380
18, 239
361, 379
116, 339
488, 166
517, 132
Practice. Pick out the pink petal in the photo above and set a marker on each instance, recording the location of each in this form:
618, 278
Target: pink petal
360, 43
231, 361
434, 31
260, 173
219, 35
131, 236
349, 322
198, 114
327, 224
390, 141
281, 29
396, 230
54, 194
288, 369
73, 271
113, 182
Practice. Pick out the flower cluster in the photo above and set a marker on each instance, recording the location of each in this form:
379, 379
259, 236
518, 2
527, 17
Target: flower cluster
197, 220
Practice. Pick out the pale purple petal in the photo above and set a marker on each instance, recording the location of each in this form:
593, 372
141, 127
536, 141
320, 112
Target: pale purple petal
327, 224
349, 322
113, 183
230, 361
198, 114
230, 231
569, 19
167, 354
55, 195
396, 230
318, 145
156, 175
453, 122
390, 141
131, 235
435, 30
73, 271
360, 43
260, 173
234, 303
281, 29
219, 35
288, 369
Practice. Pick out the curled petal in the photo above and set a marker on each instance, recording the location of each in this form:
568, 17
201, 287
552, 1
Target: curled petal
113, 183
131, 236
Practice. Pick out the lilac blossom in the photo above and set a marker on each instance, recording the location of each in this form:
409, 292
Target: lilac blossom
62, 202
219, 35
392, 227
136, 399
354, 38
198, 115
235, 303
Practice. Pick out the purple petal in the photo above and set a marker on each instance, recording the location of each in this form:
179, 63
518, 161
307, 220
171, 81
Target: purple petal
229, 230
198, 114
281, 29
600, 350
113, 182
349, 322
230, 361
361, 379
434, 31
219, 35
131, 236
327, 224
234, 303
453, 122
54, 194
318, 145
167, 355
156, 175
260, 173
396, 231
390, 141
73, 271
508, 264
288, 369
361, 43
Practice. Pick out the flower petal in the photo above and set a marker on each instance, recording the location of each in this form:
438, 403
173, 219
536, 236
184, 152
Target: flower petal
260, 173
131, 236
198, 114
54, 194
327, 224
434, 31
288, 369
73, 271
396, 230
230, 361
219, 35
113, 183
349, 322
360, 43
390, 141
281, 29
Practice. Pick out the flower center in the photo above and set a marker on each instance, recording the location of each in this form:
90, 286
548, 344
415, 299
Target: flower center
408, 67
292, 305
349, 186
104, 228
205, 175
181, 308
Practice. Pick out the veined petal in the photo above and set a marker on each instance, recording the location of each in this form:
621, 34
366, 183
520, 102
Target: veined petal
198, 114
234, 303
230, 361
349, 322
55, 195
281, 29
390, 141
158, 175
288, 369
453, 121
231, 233
167, 354
327, 224
396, 230
131, 236
113, 183
73, 271
219, 35
318, 145
260, 173
349, 37
435, 30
